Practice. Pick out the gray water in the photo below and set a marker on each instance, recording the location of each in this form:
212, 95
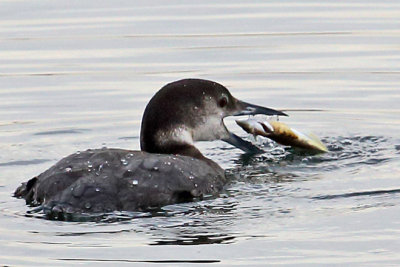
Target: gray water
77, 74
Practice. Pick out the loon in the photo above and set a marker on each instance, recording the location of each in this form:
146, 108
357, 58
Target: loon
169, 168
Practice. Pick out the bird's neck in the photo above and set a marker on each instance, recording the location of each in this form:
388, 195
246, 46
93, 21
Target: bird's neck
167, 145
174, 148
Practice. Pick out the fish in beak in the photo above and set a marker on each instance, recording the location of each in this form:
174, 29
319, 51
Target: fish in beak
283, 134
243, 108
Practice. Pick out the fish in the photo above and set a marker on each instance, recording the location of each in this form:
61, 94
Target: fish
282, 134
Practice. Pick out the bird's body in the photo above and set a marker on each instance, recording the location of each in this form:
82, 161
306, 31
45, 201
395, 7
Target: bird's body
104, 180
169, 169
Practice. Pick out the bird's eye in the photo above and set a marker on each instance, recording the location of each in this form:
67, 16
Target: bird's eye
223, 102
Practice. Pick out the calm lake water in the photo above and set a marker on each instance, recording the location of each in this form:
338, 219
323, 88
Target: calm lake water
77, 74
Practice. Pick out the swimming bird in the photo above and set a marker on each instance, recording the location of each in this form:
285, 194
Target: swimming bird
168, 169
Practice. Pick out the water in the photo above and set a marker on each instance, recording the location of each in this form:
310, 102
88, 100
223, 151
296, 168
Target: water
77, 75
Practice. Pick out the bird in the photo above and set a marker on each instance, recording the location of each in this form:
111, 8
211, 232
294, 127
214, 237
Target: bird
168, 169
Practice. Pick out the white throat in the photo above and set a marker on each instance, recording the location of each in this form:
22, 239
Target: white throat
212, 129
178, 135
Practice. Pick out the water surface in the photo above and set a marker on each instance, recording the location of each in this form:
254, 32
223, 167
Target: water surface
77, 75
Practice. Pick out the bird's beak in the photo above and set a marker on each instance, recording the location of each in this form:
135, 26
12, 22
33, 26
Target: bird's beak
243, 108
244, 145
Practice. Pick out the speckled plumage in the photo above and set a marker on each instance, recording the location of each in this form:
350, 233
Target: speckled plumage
104, 180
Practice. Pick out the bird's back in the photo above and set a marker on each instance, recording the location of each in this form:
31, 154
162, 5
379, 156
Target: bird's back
103, 180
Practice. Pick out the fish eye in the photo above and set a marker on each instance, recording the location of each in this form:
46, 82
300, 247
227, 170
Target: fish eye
223, 101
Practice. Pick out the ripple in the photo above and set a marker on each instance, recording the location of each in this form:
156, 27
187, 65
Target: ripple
397, 147
24, 162
138, 261
356, 194
66, 131
197, 240
344, 152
